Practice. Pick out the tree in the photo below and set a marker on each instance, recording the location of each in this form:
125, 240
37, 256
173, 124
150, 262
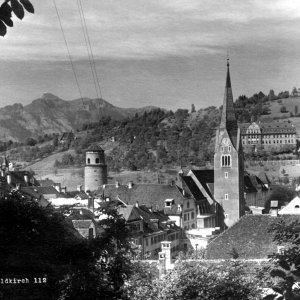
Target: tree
13, 6
39, 242
199, 280
286, 261
281, 193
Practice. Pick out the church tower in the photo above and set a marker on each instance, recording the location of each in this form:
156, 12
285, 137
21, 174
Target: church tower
95, 170
229, 163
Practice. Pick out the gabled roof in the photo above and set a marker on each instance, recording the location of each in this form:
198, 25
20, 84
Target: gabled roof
32, 192
192, 187
249, 237
129, 213
292, 208
151, 195
206, 178
82, 224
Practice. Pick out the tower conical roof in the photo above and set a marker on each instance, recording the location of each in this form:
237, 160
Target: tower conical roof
95, 148
228, 119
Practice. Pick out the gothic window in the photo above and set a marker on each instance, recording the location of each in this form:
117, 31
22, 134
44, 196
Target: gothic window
226, 160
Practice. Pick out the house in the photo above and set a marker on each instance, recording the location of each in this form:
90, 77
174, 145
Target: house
66, 138
249, 238
269, 135
292, 208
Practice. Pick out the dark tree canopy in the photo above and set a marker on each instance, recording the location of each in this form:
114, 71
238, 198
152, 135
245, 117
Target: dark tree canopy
10, 7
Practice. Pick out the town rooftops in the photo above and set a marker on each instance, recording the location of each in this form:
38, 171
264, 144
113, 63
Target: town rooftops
269, 127
249, 237
151, 195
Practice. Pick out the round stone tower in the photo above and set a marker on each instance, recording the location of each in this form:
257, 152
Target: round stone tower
95, 170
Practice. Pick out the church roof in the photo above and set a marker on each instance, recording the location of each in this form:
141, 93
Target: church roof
206, 178
228, 119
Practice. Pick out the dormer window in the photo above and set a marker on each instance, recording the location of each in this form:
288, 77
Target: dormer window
169, 202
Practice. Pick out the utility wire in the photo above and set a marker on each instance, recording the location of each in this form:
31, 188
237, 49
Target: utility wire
91, 51
84, 30
70, 57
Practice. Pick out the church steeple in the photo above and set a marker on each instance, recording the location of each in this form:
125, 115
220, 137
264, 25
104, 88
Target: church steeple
228, 119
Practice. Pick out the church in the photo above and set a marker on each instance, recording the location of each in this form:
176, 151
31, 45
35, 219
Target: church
219, 193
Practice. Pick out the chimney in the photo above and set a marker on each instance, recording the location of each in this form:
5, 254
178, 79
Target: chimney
26, 178
18, 186
2, 173
79, 188
154, 222
130, 184
117, 184
64, 189
274, 208
91, 204
8, 178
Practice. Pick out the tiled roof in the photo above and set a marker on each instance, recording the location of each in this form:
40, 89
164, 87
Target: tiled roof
192, 187
32, 192
129, 213
248, 185
95, 147
46, 182
206, 178
270, 127
17, 177
82, 224
151, 195
78, 194
249, 237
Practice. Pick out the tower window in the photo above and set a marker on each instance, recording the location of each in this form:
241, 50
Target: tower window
222, 149
226, 160
226, 174
88, 161
226, 196
97, 160
229, 148
226, 216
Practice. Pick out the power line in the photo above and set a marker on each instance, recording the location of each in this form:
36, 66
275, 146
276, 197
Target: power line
90, 47
70, 57
84, 30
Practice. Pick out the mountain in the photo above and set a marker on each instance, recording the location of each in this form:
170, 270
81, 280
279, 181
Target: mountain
51, 114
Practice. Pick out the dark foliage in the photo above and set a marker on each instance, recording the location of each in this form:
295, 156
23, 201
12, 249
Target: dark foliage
17, 7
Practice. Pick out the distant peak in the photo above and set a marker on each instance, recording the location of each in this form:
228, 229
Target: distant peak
49, 96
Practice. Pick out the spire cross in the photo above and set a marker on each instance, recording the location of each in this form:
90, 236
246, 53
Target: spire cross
227, 59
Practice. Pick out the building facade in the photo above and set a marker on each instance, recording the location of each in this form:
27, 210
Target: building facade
268, 136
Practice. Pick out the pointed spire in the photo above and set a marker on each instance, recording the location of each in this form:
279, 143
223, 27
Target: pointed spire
228, 119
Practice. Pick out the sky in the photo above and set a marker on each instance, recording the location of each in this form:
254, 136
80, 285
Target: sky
169, 53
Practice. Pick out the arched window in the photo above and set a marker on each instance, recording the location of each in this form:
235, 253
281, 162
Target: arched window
226, 160
88, 161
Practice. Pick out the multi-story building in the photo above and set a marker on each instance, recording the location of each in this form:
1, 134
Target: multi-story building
268, 136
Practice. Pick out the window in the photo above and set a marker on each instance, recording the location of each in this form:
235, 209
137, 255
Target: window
226, 196
226, 216
222, 149
88, 161
192, 215
226, 160
226, 174
91, 233
188, 204
97, 160
184, 217
229, 148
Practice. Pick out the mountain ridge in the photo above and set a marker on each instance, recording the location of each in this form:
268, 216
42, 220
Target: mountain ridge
50, 114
